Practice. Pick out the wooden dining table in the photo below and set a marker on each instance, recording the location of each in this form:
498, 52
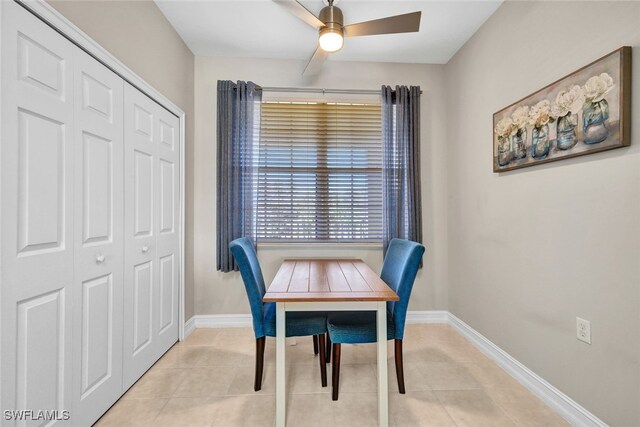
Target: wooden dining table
329, 285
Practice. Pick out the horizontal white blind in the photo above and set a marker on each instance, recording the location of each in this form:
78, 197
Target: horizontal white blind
320, 172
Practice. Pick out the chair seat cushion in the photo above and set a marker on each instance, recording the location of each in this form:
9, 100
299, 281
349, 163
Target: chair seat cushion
298, 323
356, 327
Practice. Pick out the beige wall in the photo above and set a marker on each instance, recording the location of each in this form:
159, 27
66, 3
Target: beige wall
224, 293
138, 34
532, 249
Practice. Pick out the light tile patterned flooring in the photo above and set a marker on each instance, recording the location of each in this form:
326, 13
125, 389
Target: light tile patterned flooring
207, 380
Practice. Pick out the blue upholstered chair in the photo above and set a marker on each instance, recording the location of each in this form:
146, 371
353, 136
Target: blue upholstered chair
298, 324
399, 272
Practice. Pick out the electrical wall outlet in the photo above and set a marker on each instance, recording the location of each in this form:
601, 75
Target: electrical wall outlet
583, 330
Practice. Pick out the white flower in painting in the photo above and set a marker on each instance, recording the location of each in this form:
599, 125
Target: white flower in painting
597, 87
569, 100
504, 127
520, 117
539, 114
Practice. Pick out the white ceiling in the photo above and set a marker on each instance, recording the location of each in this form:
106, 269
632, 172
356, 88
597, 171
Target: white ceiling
262, 29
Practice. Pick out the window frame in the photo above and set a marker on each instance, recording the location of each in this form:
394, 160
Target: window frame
325, 172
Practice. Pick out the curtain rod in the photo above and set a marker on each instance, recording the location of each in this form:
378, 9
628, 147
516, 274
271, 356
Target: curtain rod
323, 91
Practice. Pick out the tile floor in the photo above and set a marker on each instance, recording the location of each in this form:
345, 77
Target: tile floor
207, 380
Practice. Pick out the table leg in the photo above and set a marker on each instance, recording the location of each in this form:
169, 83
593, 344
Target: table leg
281, 394
383, 386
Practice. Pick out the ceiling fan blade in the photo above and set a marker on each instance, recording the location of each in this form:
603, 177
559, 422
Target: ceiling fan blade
300, 12
315, 64
407, 23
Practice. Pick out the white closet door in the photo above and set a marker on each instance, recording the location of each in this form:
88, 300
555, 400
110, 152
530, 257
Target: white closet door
167, 226
99, 239
140, 267
37, 214
151, 233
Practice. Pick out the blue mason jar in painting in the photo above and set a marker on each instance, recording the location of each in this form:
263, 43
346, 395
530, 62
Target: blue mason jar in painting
518, 146
594, 118
540, 142
566, 131
504, 151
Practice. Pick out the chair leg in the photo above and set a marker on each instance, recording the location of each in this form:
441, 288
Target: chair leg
399, 366
323, 364
257, 385
335, 371
315, 345
328, 348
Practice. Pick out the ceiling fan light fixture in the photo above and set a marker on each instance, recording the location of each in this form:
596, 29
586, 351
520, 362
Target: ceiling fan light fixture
330, 23
331, 39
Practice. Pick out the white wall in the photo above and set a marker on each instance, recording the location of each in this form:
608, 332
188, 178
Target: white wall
224, 293
532, 249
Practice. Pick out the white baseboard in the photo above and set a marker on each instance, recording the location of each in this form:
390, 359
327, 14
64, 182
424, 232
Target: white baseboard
223, 321
245, 321
427, 316
189, 327
570, 410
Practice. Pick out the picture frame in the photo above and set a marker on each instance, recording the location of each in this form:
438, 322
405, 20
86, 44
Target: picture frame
585, 112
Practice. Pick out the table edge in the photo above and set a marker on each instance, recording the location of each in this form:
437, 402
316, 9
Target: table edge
305, 297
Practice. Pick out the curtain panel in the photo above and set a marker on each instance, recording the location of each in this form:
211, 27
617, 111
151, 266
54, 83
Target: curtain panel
402, 204
238, 134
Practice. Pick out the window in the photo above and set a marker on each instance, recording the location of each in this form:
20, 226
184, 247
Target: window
320, 172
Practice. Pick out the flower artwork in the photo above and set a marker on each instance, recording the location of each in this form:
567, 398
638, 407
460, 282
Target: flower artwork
597, 87
519, 133
503, 131
595, 112
585, 112
568, 104
539, 117
568, 100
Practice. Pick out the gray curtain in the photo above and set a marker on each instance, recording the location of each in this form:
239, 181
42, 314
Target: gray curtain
401, 164
238, 139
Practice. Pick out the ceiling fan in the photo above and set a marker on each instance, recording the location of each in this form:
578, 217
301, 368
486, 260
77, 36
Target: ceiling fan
332, 30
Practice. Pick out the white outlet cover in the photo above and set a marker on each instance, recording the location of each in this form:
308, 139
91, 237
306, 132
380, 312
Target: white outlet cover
583, 330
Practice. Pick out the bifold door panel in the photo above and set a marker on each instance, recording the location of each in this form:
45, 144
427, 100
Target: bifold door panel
37, 192
90, 226
166, 227
99, 238
151, 161
141, 275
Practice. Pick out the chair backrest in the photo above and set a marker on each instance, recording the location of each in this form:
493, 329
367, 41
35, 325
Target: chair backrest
399, 271
247, 259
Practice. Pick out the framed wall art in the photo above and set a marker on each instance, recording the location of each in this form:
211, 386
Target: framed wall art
586, 112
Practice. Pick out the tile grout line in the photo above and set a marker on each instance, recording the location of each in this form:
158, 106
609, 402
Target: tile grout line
445, 408
515, 422
160, 411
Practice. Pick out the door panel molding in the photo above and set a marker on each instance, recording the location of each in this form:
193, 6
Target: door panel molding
97, 331
40, 368
142, 306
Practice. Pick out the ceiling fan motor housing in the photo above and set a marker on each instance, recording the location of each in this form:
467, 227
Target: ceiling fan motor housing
333, 20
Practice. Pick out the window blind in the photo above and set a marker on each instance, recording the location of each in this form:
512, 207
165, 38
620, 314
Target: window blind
320, 172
